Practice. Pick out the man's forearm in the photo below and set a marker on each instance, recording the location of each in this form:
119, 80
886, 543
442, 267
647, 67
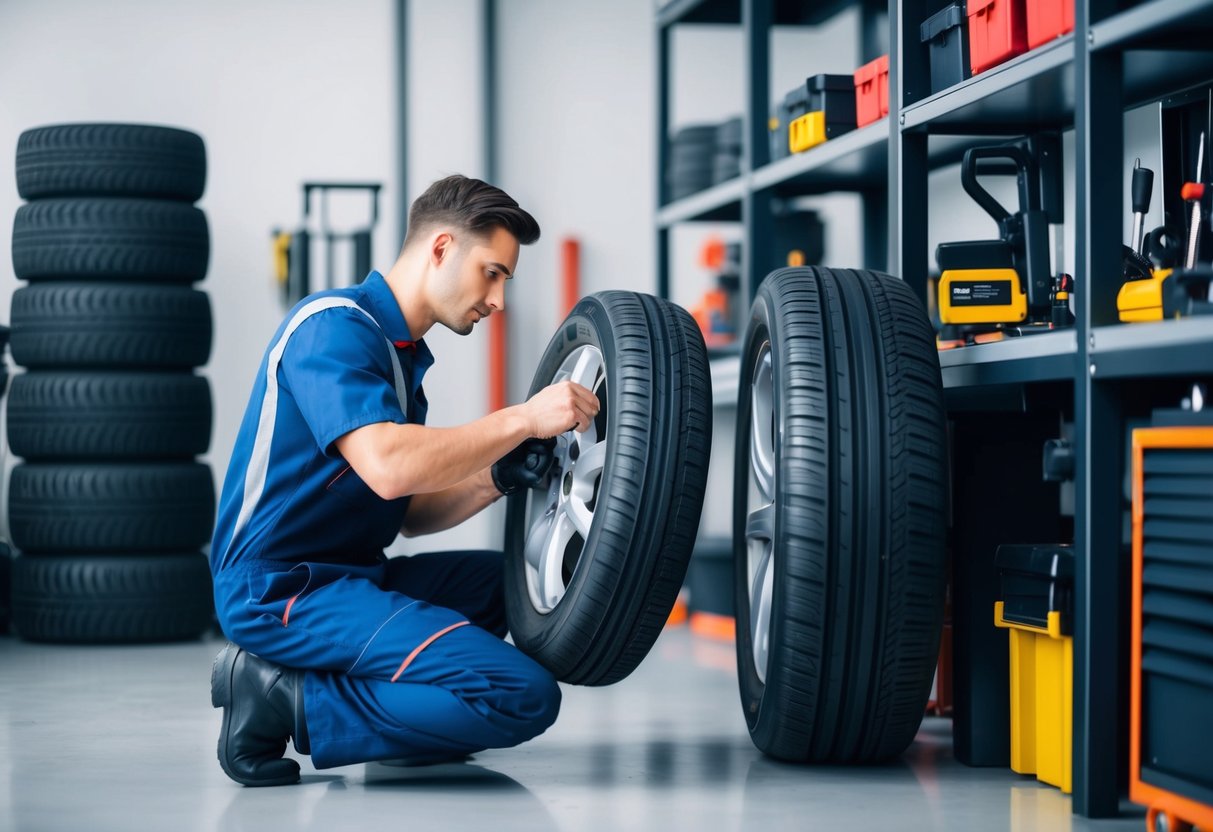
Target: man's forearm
441, 510
400, 460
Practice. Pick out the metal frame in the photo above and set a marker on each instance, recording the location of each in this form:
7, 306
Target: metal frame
1113, 60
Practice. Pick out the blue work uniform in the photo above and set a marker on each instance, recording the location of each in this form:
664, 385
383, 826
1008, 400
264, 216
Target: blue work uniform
404, 656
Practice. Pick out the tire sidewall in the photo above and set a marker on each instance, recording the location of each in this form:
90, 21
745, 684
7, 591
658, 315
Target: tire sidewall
586, 325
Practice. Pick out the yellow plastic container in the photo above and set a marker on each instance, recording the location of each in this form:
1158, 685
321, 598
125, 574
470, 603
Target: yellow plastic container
1042, 697
807, 131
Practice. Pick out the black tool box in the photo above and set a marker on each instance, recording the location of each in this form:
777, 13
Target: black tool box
948, 41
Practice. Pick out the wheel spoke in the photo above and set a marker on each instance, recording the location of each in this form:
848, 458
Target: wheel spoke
579, 515
551, 579
585, 371
761, 596
760, 525
537, 538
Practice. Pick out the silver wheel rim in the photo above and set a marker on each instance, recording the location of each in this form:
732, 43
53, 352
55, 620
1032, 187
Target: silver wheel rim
760, 509
560, 517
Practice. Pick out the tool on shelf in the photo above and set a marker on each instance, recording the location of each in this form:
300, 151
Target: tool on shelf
1140, 296
1193, 194
992, 288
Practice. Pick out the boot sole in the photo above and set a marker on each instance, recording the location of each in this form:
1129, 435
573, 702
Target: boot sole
222, 670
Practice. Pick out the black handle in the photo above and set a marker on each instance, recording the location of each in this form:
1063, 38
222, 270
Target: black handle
1143, 187
1026, 183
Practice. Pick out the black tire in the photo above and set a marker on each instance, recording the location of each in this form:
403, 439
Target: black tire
111, 508
695, 134
656, 417
857, 534
111, 160
97, 325
110, 238
82, 599
109, 415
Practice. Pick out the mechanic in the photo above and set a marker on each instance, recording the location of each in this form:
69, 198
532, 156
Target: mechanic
354, 655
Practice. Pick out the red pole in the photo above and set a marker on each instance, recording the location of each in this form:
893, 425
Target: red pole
570, 269
497, 374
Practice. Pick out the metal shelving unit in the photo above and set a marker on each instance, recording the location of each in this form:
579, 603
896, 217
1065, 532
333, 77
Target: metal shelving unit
1099, 374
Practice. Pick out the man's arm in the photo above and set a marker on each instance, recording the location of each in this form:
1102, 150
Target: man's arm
398, 460
441, 510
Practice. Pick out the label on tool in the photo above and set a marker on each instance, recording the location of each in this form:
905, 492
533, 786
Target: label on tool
981, 293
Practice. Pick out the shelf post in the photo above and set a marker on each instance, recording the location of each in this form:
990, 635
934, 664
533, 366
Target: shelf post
1101, 567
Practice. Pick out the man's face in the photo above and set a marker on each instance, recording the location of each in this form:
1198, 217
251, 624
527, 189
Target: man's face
472, 285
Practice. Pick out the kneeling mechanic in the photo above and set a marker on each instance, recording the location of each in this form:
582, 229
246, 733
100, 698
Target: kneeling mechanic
353, 655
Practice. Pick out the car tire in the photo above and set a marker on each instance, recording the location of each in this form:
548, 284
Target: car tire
110, 238
621, 509
83, 599
100, 325
839, 516
109, 415
111, 160
127, 507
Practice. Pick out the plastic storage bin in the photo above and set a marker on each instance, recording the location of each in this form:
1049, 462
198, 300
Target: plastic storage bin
1037, 609
1049, 19
944, 33
997, 32
831, 112
872, 91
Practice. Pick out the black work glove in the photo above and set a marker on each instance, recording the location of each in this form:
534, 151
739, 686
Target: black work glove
525, 466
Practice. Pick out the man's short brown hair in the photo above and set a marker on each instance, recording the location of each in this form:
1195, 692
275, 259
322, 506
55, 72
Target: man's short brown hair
469, 205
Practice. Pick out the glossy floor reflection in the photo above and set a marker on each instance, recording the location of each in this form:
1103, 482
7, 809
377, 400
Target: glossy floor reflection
124, 739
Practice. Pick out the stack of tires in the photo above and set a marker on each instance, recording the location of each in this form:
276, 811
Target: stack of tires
110, 510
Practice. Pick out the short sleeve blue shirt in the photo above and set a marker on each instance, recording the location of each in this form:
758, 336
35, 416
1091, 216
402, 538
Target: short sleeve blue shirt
342, 359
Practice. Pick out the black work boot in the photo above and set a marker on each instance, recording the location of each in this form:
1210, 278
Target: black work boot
262, 708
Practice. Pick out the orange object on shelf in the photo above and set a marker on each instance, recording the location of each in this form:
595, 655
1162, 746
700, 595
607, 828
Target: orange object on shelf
872, 91
713, 625
713, 254
712, 315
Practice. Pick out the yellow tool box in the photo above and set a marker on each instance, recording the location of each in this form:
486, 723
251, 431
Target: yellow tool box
821, 108
1141, 300
1037, 610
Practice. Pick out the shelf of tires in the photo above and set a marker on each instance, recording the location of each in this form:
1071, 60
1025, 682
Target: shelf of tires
110, 510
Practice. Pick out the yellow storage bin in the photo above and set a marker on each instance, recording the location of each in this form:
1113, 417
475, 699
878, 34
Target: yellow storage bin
1037, 590
807, 131
1042, 697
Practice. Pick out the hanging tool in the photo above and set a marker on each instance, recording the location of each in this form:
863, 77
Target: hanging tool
1005, 284
1193, 193
1140, 297
1142, 188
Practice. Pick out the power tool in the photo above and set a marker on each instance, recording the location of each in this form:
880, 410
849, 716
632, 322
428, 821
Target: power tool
1006, 285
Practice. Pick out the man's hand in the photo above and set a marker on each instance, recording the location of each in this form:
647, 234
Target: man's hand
525, 466
561, 407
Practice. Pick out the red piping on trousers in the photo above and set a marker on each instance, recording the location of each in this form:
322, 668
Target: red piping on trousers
426, 644
287, 615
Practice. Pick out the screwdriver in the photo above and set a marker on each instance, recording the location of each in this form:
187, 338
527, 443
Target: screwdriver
1193, 192
1143, 185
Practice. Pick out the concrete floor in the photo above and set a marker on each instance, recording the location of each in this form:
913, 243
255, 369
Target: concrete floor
123, 739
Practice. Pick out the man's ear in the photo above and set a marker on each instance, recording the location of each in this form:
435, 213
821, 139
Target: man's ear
441, 247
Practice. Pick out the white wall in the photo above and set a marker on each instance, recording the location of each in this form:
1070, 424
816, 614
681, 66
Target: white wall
281, 91
576, 150
445, 136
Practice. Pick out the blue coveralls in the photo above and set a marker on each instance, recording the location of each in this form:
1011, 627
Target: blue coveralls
404, 656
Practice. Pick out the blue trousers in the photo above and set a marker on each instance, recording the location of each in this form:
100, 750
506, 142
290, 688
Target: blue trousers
402, 659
